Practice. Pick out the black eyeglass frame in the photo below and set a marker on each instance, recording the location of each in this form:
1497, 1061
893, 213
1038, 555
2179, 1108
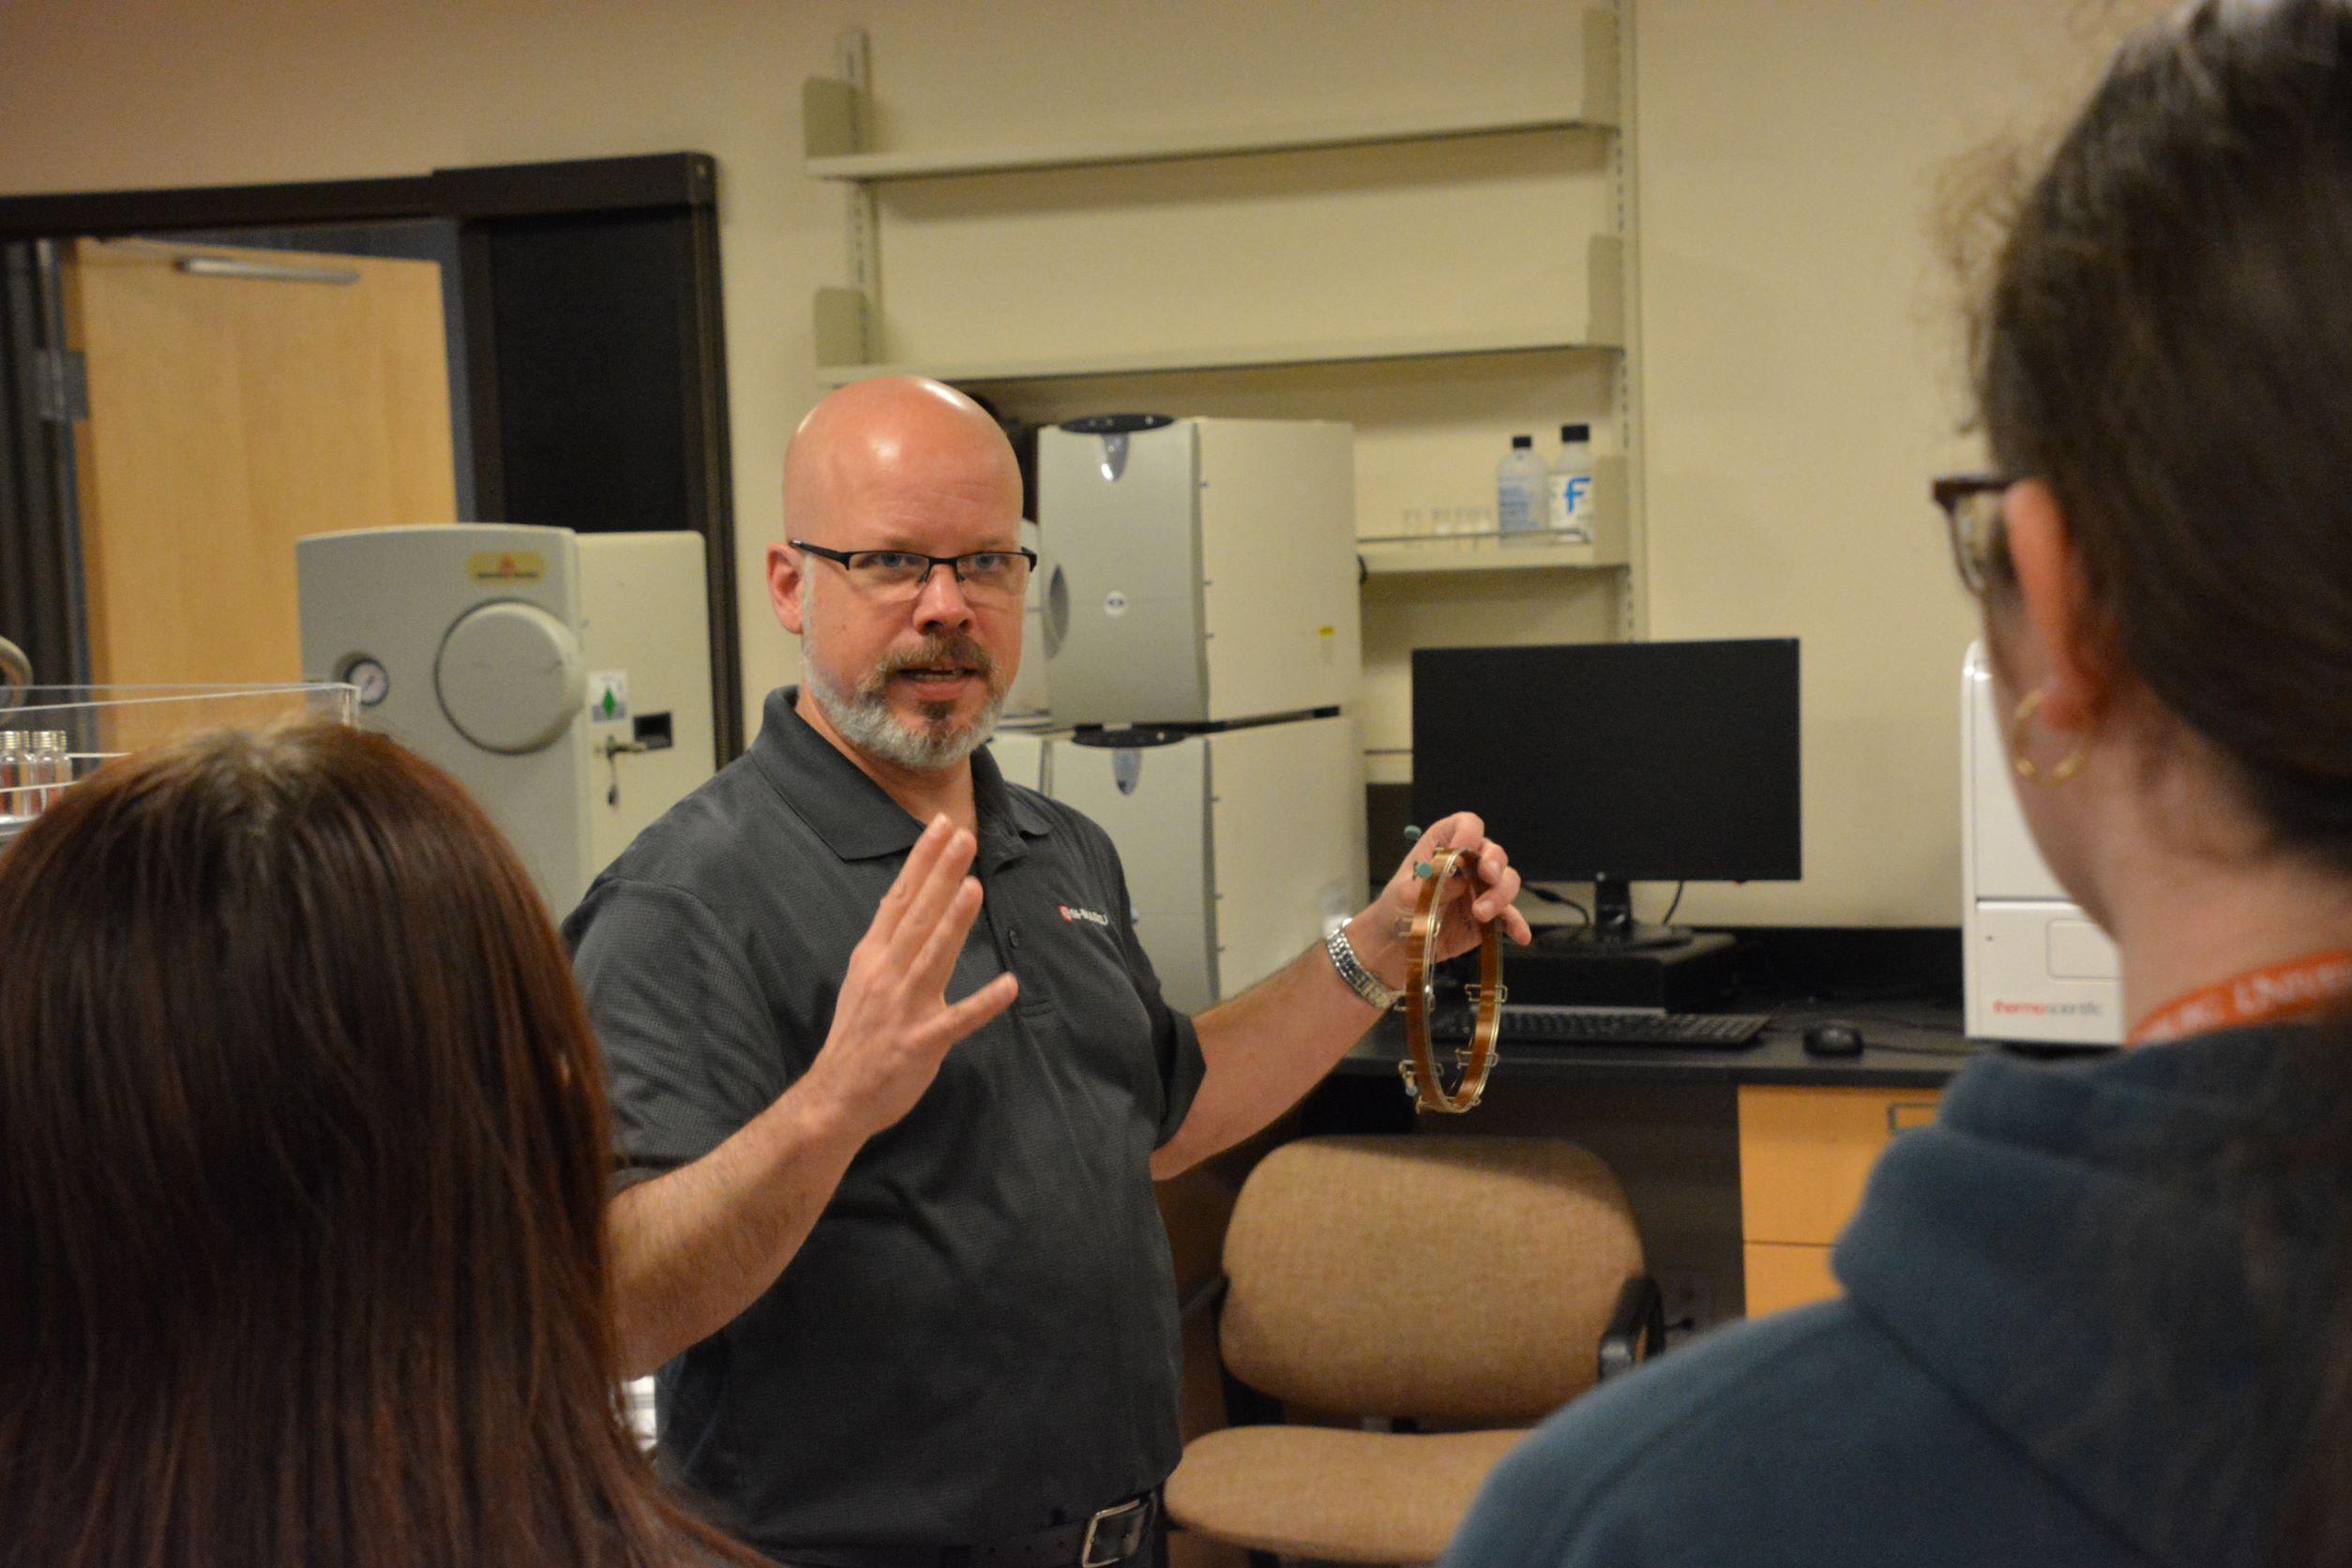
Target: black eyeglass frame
846, 559
1953, 490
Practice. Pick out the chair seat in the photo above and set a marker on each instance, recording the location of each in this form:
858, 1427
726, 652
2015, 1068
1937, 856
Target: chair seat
1337, 1494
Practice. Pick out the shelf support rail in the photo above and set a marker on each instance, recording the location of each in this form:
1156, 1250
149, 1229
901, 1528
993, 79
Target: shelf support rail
1608, 35
834, 112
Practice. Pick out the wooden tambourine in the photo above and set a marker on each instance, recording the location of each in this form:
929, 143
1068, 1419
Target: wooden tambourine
1477, 1058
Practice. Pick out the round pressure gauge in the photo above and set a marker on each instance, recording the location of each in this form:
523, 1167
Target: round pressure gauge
374, 681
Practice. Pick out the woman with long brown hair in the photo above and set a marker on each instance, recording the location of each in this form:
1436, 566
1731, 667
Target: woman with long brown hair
2102, 1313
302, 1177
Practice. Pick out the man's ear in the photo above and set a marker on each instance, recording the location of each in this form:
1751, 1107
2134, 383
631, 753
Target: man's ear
784, 586
2063, 620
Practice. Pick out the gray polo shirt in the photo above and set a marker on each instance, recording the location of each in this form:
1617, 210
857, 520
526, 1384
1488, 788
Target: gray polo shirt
979, 1337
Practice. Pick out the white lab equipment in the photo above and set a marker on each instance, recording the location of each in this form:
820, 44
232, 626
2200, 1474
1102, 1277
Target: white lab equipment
1241, 846
2034, 968
1202, 632
564, 678
1197, 570
1028, 700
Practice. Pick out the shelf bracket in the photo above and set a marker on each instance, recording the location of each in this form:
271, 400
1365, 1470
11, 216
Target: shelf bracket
831, 110
1604, 288
1600, 69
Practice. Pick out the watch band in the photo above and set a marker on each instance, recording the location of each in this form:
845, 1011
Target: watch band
1476, 1058
1360, 980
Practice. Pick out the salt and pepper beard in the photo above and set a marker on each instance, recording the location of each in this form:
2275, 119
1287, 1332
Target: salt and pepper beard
865, 718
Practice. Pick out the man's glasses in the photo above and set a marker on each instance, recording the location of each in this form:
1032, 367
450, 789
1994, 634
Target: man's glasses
1972, 513
988, 576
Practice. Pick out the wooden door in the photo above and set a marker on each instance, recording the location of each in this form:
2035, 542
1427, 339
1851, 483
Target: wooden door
238, 401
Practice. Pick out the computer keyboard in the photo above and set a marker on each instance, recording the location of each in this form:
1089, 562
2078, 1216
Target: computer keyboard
1590, 1026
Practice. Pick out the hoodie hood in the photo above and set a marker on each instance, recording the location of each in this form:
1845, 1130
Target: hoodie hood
2090, 1225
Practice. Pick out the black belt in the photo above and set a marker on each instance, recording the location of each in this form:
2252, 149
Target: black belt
1108, 1537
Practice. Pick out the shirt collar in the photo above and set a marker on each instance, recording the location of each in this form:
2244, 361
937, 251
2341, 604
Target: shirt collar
851, 813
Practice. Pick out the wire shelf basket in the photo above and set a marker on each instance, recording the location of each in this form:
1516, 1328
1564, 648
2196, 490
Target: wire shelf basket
54, 737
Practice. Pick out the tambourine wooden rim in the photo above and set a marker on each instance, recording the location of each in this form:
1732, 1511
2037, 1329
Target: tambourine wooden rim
1476, 1058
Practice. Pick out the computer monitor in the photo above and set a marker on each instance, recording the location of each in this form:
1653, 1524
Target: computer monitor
1617, 762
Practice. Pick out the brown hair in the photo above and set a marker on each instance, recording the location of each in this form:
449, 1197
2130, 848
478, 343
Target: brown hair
2167, 344
302, 1175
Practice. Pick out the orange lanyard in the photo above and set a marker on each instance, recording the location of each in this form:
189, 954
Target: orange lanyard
2288, 990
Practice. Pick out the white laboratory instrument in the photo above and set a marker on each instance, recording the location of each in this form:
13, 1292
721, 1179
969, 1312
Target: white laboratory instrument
1242, 846
564, 678
2034, 968
1028, 700
1197, 570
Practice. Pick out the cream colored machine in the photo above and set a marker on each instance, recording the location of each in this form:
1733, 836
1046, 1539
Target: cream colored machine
1243, 846
1201, 626
1199, 571
563, 678
2034, 967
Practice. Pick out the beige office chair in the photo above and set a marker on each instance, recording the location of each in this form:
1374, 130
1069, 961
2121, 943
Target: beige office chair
1459, 1289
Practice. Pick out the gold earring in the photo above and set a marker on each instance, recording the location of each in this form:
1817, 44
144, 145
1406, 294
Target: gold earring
2027, 769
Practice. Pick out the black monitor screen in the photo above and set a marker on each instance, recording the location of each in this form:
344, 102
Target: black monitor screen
1650, 762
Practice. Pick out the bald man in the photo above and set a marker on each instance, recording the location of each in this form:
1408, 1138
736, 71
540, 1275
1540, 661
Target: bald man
896, 1254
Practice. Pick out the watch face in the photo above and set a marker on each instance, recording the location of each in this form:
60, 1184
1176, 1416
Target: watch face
374, 681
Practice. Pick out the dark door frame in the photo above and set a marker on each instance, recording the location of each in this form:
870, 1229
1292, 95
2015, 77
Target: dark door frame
657, 213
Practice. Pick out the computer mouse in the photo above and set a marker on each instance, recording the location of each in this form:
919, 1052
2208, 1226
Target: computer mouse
1832, 1038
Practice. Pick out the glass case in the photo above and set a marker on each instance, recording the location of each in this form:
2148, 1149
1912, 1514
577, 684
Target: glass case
53, 737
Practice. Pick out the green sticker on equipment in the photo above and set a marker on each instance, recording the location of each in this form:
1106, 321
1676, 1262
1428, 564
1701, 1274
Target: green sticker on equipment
607, 696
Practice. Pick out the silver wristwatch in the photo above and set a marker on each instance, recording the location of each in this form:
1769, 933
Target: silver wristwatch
1360, 980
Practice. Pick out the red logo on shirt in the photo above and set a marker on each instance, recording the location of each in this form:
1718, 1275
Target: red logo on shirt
1070, 912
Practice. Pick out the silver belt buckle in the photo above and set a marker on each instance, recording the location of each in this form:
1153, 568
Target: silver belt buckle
1086, 1552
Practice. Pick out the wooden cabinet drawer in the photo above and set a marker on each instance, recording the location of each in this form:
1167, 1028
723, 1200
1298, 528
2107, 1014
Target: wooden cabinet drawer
1804, 1153
1781, 1275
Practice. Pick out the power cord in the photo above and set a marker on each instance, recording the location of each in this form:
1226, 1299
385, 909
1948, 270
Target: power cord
1550, 897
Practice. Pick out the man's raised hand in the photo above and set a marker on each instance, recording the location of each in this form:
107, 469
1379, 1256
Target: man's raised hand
893, 1023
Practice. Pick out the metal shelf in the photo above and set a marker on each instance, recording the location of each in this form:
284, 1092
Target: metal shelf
1234, 359
834, 111
1440, 554
845, 330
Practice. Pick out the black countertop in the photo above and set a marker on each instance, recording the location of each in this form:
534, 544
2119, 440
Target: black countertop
1908, 1045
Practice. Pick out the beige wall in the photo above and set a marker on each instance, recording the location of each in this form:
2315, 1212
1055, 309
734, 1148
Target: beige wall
1800, 381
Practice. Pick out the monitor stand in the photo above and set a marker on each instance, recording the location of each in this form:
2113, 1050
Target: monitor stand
1617, 961
1613, 925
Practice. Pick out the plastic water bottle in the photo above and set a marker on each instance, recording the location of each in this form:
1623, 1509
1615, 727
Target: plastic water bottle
1569, 489
1520, 481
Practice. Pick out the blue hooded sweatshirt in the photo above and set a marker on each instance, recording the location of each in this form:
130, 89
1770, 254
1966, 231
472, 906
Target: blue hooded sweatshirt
2058, 1346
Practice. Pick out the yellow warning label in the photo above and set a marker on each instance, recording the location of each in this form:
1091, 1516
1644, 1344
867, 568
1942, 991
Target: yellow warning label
506, 566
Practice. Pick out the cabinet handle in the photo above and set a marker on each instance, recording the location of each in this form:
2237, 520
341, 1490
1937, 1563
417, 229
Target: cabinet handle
1905, 1116
273, 272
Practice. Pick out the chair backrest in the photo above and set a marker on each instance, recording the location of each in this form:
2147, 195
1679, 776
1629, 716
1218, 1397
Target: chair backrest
1456, 1281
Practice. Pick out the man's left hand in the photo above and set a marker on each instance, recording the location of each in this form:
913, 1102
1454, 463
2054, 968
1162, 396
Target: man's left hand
1472, 899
